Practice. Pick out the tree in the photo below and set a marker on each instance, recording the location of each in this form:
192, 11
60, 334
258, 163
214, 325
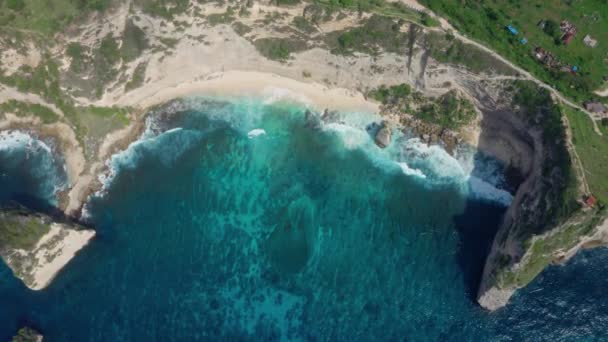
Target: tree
15, 5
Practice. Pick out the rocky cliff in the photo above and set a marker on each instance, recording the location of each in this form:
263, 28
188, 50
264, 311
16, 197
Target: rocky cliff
546, 220
37, 246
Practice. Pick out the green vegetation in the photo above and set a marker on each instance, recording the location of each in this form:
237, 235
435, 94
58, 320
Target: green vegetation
168, 42
392, 94
486, 21
286, 2
221, 18
445, 49
279, 49
551, 28
21, 229
542, 250
592, 150
539, 109
240, 28
134, 42
558, 221
77, 54
18, 108
137, 79
26, 335
105, 57
44, 81
391, 9
108, 113
166, 9
45, 16
304, 25
451, 110
377, 33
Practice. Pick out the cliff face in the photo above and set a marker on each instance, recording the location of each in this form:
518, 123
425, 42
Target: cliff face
545, 221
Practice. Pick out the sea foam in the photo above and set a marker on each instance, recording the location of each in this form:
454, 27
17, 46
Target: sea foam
33, 158
430, 165
256, 133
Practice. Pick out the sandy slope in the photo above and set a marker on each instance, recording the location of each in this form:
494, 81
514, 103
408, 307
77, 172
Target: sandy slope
38, 267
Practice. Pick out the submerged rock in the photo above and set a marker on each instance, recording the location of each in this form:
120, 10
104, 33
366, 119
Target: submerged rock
383, 135
312, 120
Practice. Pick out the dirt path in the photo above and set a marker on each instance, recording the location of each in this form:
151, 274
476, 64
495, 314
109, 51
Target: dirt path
445, 25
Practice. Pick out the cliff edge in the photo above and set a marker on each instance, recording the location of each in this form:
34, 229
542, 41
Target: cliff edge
548, 221
36, 247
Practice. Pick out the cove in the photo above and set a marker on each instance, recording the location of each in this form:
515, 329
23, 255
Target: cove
306, 232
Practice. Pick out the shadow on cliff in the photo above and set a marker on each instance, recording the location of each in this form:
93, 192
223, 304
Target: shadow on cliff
478, 224
38, 205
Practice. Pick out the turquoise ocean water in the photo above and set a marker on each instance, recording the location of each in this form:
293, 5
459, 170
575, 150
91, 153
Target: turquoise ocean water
245, 220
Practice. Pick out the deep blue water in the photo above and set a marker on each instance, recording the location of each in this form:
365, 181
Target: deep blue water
301, 233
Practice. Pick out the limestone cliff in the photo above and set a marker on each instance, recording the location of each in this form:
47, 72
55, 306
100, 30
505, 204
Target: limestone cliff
546, 221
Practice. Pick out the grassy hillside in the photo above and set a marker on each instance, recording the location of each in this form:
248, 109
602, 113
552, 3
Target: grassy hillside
592, 150
45, 16
21, 229
485, 20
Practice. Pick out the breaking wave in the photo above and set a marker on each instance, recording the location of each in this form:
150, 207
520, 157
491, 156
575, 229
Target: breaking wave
40, 173
430, 165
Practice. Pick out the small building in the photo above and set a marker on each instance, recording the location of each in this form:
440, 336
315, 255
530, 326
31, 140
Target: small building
596, 107
568, 37
589, 41
512, 29
523, 41
546, 58
574, 69
565, 26
590, 201
568, 31
539, 53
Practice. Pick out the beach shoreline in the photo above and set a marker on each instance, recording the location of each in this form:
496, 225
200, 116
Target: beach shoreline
237, 83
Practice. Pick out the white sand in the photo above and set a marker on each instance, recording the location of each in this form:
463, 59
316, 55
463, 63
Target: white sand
61, 252
250, 83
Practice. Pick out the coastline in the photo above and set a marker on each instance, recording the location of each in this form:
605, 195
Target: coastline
40, 265
84, 176
236, 83
229, 84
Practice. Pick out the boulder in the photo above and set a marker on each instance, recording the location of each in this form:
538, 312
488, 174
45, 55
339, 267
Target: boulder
383, 135
312, 120
27, 335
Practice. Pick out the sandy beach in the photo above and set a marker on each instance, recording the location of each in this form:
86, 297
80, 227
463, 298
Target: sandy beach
237, 83
61, 252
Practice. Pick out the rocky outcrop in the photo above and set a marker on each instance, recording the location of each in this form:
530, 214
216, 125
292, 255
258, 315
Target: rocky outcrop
36, 246
544, 221
383, 135
27, 335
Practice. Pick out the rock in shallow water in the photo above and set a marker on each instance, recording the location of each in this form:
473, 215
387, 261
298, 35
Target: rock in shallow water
383, 135
27, 335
